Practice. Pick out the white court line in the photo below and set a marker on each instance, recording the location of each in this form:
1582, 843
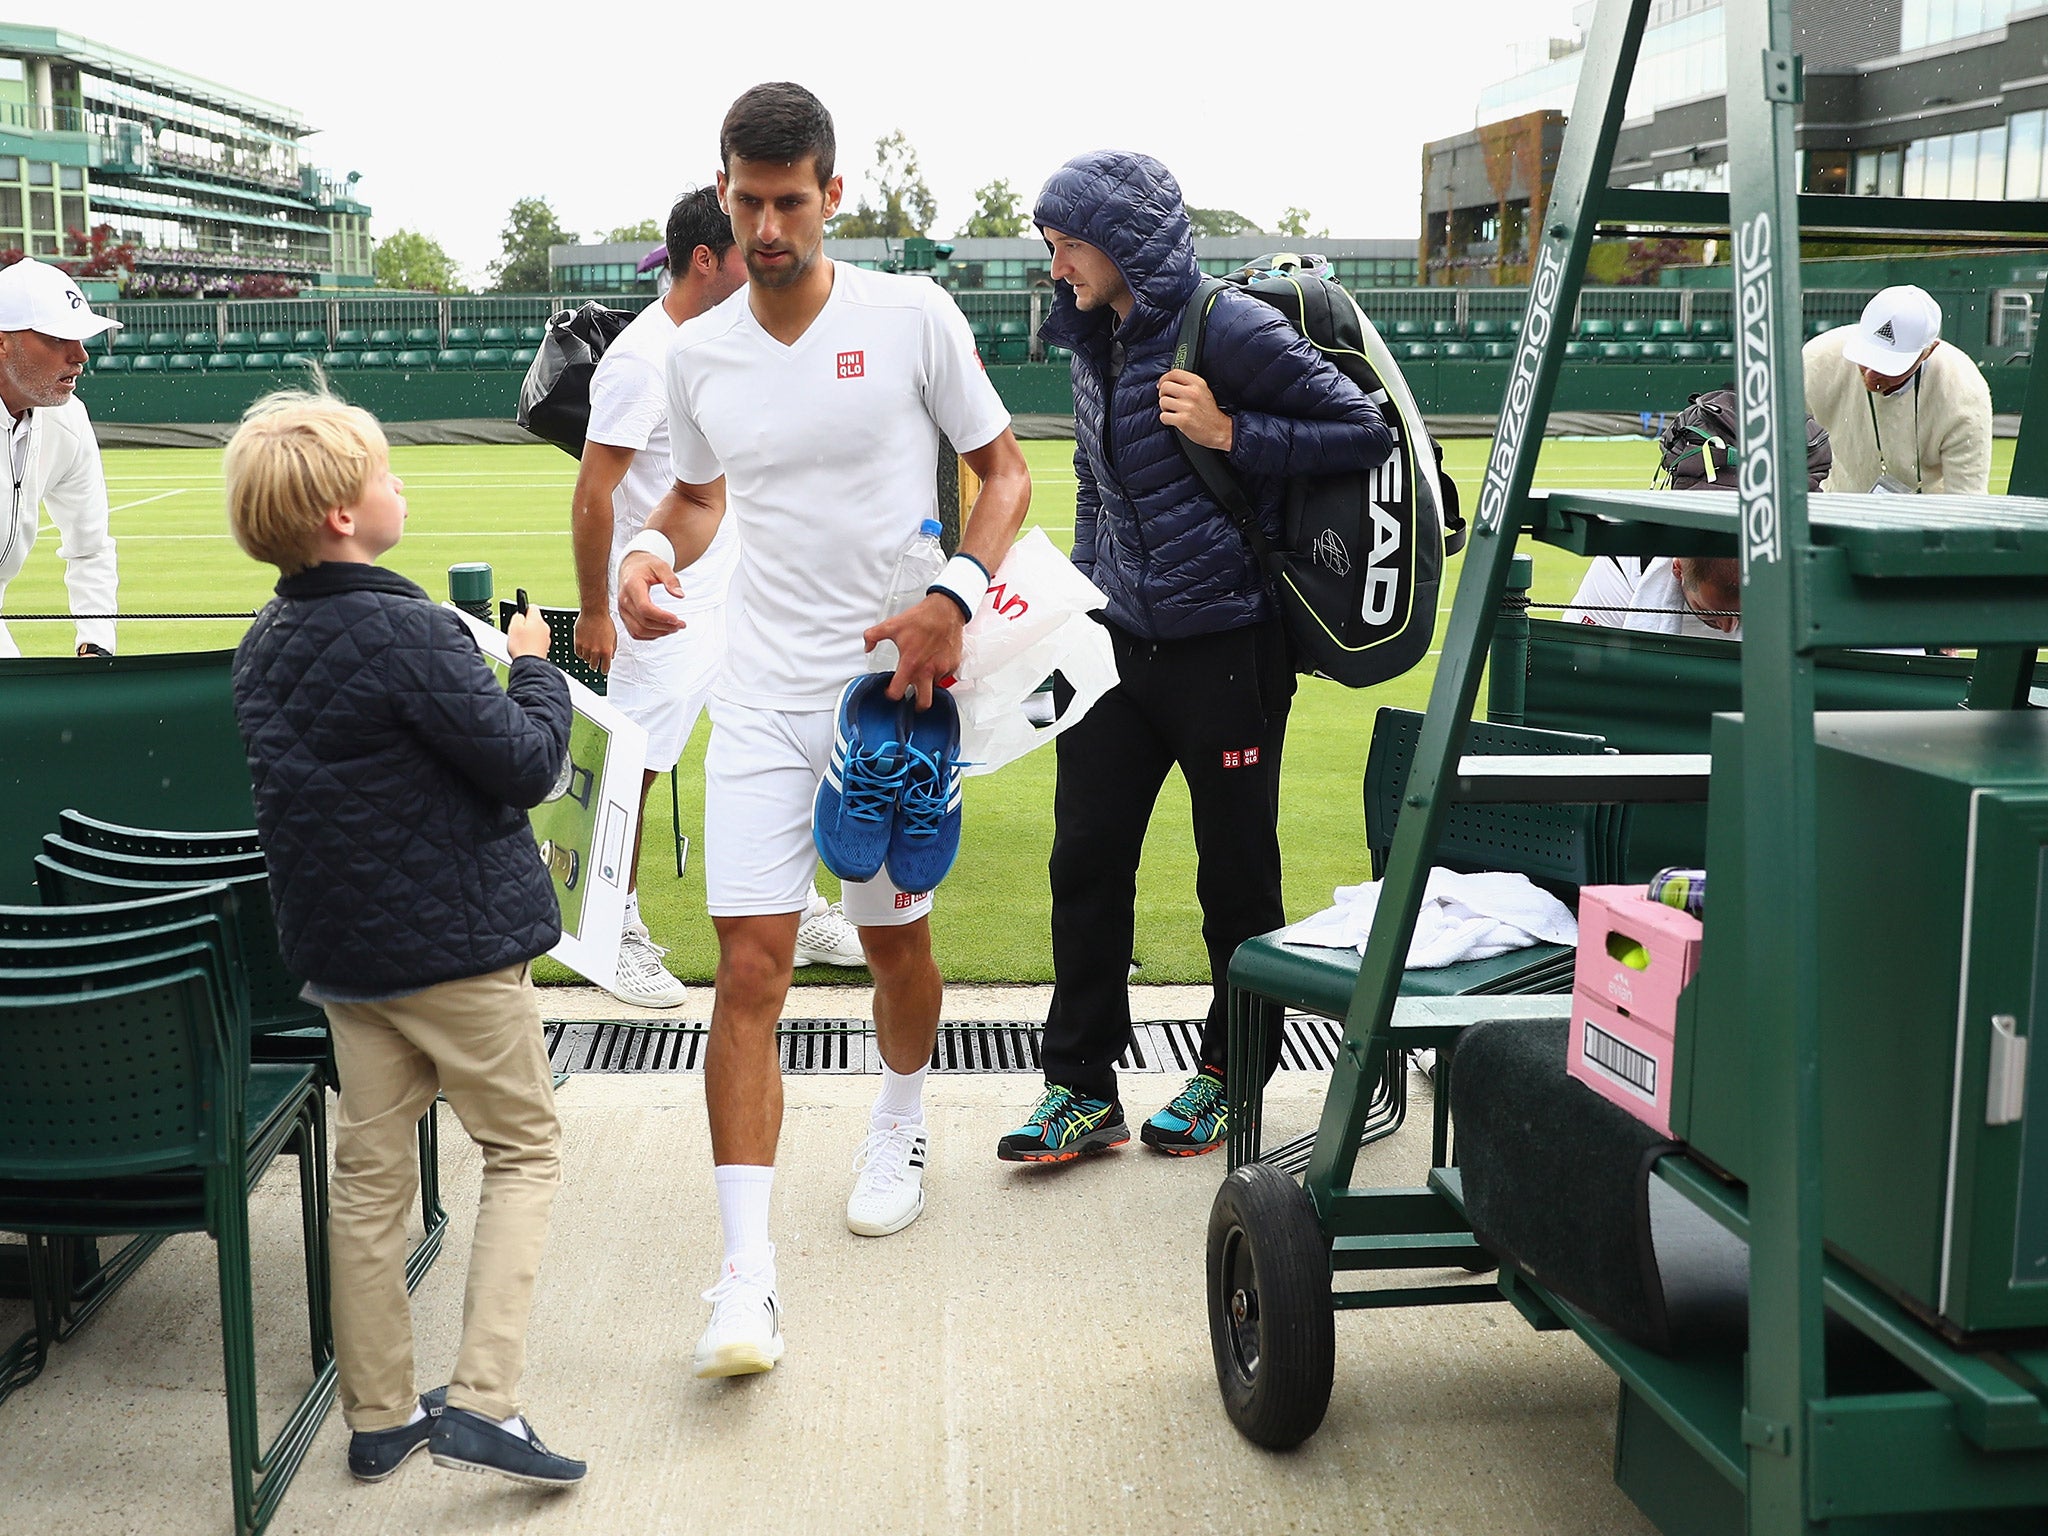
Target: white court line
131, 505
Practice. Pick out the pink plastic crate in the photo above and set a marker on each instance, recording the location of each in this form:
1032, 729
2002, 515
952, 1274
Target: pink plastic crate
1624, 1016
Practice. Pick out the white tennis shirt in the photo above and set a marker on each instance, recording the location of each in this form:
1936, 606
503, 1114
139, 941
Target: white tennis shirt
829, 449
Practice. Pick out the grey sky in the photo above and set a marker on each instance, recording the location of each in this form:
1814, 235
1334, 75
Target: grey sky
451, 113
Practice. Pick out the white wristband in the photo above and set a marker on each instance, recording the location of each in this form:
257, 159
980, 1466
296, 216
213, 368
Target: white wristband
965, 580
648, 542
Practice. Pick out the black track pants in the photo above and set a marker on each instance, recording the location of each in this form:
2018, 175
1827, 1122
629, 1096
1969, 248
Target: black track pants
1214, 706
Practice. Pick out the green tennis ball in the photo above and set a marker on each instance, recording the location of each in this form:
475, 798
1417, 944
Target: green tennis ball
1630, 952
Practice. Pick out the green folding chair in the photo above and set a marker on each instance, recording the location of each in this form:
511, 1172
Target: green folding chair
132, 1107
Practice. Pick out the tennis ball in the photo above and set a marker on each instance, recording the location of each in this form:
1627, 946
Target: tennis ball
1630, 952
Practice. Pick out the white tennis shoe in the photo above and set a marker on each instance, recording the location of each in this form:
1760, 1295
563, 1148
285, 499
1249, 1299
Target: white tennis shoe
745, 1335
640, 978
888, 1187
827, 938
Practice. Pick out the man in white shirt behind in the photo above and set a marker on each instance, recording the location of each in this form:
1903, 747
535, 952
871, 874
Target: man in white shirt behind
53, 458
662, 684
811, 405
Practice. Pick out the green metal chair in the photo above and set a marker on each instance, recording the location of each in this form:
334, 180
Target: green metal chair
500, 336
373, 360
220, 362
196, 341
464, 336
149, 362
491, 357
311, 340
411, 358
111, 362
352, 340
265, 361
337, 360
385, 340
186, 362
273, 341
1653, 351
423, 336
132, 1107
238, 341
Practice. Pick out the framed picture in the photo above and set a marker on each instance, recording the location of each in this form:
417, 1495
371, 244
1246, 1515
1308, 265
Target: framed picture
587, 824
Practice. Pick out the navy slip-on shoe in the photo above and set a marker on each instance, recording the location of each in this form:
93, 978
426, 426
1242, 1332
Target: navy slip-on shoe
470, 1442
374, 1454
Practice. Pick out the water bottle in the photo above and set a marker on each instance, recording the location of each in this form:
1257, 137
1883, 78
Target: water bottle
916, 569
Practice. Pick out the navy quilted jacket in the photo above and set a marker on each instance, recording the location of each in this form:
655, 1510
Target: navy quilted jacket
392, 774
1145, 530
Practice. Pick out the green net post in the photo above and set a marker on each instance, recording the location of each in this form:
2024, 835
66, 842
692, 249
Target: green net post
470, 589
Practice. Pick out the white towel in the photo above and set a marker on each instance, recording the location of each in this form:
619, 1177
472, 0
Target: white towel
1463, 917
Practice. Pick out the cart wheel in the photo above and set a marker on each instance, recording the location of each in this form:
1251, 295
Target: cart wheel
1271, 1324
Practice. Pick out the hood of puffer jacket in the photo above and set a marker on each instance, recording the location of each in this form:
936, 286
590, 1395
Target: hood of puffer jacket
1129, 207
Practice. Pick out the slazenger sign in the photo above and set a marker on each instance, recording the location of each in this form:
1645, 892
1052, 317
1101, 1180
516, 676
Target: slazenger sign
1514, 417
1758, 481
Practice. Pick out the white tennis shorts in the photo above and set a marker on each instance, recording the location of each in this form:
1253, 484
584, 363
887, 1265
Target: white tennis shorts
662, 685
761, 777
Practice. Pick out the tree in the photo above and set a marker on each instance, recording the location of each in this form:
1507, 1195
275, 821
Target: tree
901, 204
1294, 225
530, 228
1221, 221
998, 213
405, 258
646, 232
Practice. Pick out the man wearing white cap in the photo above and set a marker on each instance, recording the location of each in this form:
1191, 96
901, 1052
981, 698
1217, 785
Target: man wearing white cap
53, 459
1907, 412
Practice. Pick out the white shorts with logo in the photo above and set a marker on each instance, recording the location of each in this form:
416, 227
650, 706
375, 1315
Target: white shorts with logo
761, 777
662, 685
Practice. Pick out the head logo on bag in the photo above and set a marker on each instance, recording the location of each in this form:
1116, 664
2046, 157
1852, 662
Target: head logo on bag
1356, 569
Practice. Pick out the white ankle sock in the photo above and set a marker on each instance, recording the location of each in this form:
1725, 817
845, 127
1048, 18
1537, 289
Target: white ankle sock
516, 1425
901, 1101
743, 1207
632, 909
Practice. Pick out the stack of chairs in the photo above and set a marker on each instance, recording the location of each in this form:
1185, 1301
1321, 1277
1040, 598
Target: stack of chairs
130, 1103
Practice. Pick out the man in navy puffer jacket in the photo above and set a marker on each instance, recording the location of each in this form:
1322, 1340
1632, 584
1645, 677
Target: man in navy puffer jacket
1204, 681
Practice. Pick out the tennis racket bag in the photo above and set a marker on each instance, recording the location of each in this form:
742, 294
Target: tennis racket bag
554, 397
1360, 557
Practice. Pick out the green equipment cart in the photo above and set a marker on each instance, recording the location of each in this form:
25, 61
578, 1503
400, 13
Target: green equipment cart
1850, 1085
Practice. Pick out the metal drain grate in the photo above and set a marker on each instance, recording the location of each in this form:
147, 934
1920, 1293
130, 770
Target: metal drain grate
1308, 1044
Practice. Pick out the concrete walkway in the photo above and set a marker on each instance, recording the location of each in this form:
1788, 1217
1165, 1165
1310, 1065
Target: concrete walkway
1032, 1356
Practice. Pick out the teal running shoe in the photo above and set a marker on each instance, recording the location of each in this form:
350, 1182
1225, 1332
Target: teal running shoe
1197, 1121
1063, 1126
856, 806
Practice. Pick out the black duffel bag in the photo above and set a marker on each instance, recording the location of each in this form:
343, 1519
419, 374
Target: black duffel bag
554, 397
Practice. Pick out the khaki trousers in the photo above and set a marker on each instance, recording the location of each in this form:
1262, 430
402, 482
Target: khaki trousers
477, 1040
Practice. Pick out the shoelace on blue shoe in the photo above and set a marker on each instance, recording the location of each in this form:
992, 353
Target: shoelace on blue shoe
869, 785
1203, 1094
926, 795
1055, 1100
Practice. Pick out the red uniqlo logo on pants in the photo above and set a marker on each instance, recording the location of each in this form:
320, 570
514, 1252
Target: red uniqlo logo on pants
852, 364
1232, 759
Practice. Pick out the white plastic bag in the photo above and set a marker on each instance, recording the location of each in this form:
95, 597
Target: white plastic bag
1033, 622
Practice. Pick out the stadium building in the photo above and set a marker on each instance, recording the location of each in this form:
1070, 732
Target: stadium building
210, 185
1914, 98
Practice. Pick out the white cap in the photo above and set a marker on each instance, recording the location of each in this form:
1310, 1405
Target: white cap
35, 296
1897, 326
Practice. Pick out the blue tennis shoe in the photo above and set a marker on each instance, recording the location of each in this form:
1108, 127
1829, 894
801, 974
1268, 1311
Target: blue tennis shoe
927, 835
856, 805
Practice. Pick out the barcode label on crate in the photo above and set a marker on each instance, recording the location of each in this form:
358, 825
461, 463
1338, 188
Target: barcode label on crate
1620, 1059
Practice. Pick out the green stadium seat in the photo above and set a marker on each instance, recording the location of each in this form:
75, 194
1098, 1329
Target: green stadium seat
385, 339
309, 341
1514, 326
1616, 351
1724, 351
111, 362
1058, 355
260, 360
1408, 330
1444, 330
1013, 341
463, 336
1484, 330
333, 360
219, 362
356, 339
374, 360
1710, 329
453, 357
238, 341
423, 336
1497, 350
1653, 351
1457, 351
522, 357
273, 341
412, 358
196, 341
149, 362
162, 341
184, 362
491, 357
1669, 330
1815, 327
1578, 351
127, 339
1594, 330
532, 335
499, 336
1635, 330
300, 360
1688, 351
1418, 351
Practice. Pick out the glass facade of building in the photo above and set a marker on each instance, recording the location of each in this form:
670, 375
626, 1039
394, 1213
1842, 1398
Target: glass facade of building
1923, 23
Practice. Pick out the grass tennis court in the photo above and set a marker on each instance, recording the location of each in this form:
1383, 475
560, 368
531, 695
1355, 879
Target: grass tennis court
510, 506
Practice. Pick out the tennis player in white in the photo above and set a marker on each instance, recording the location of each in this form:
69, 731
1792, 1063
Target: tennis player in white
810, 406
663, 684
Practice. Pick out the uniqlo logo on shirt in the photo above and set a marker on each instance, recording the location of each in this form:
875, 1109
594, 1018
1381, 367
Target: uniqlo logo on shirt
852, 365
